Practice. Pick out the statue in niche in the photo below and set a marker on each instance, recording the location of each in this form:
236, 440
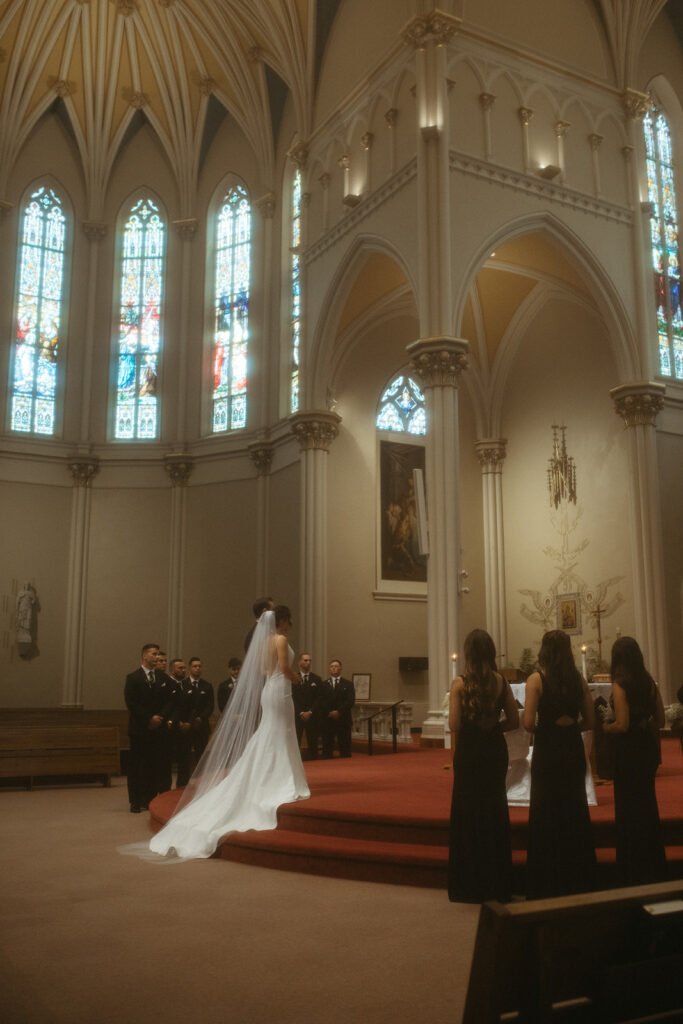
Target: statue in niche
27, 606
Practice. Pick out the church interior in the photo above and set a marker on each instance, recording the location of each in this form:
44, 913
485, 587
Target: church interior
267, 269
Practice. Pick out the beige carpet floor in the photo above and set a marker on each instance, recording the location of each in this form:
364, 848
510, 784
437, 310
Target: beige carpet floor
90, 937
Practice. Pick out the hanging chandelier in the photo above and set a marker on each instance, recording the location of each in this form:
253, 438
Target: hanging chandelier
561, 470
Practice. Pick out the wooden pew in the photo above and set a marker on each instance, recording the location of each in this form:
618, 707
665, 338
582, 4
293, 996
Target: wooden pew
600, 957
39, 751
117, 717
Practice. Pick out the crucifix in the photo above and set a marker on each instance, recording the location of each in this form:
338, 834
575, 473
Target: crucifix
596, 613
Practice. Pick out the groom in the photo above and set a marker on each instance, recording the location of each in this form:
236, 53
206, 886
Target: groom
261, 605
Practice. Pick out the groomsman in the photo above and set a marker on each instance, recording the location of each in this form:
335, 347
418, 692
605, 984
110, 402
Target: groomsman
228, 685
196, 705
338, 696
167, 695
142, 700
307, 706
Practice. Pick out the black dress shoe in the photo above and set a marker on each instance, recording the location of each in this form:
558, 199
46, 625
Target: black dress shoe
144, 807
134, 809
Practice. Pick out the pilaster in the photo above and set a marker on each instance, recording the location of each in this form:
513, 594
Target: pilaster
491, 455
178, 466
95, 232
186, 230
261, 454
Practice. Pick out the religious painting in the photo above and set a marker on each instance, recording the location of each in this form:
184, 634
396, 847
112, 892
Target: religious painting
400, 555
568, 608
361, 684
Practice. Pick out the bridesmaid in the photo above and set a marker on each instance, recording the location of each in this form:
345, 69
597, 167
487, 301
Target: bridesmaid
639, 712
561, 856
480, 857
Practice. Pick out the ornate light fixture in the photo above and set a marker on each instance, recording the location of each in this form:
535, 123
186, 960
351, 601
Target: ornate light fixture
561, 470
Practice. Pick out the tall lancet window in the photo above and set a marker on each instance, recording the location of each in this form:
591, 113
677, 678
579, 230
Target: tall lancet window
231, 325
666, 260
402, 407
296, 291
142, 275
39, 313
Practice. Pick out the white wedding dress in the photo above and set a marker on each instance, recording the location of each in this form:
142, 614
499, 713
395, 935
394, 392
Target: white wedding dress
267, 773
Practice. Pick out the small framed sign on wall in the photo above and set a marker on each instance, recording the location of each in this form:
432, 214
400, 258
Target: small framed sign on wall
361, 683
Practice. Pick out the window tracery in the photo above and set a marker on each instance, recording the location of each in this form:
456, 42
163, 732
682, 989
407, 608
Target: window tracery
402, 407
231, 324
295, 291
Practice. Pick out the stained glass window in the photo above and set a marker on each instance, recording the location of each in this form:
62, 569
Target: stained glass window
41, 277
666, 262
142, 272
231, 326
402, 407
296, 290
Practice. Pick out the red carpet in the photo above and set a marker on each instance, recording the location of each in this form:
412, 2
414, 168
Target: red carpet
386, 819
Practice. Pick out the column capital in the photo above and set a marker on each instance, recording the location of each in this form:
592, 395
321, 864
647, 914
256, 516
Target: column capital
266, 204
261, 454
487, 99
595, 140
186, 227
525, 114
438, 362
299, 153
638, 403
83, 468
94, 230
366, 140
179, 466
437, 28
561, 128
390, 116
315, 429
491, 452
636, 104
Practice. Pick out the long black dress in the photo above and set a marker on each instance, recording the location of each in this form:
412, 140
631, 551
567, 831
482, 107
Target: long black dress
560, 851
641, 858
480, 857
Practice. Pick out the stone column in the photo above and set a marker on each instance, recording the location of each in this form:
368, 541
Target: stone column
83, 468
437, 363
315, 432
261, 454
491, 453
94, 231
486, 101
561, 128
638, 405
185, 230
366, 141
178, 465
596, 141
525, 114
266, 391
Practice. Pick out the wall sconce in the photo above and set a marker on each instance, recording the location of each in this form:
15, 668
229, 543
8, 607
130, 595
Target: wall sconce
430, 132
351, 200
549, 172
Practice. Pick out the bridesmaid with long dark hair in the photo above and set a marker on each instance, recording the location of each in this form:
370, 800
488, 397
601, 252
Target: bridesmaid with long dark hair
560, 852
639, 712
480, 857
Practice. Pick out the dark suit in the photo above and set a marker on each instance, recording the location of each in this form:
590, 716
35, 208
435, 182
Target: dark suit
194, 705
164, 738
307, 697
339, 698
225, 692
143, 702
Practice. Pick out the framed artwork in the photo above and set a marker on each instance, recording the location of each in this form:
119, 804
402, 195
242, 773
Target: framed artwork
400, 555
568, 608
361, 682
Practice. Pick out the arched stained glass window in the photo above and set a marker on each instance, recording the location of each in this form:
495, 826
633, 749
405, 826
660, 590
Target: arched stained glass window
39, 308
666, 261
231, 328
142, 274
296, 291
402, 407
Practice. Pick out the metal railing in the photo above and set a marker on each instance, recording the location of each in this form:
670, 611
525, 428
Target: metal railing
394, 730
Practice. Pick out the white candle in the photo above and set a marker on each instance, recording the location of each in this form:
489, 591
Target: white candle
583, 661
454, 665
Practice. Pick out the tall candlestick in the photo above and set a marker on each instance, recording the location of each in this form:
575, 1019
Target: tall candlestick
583, 661
454, 665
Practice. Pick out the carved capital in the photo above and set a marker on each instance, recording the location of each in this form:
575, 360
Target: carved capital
436, 28
344, 161
438, 362
299, 154
491, 453
636, 104
390, 116
561, 128
94, 230
266, 204
137, 100
639, 403
63, 87
179, 466
315, 429
525, 114
255, 54
627, 152
595, 140
261, 454
186, 228
486, 100
83, 469
324, 180
126, 7
366, 140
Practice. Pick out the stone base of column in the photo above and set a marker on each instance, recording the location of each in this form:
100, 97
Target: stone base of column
433, 730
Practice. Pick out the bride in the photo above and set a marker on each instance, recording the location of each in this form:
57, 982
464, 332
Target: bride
249, 767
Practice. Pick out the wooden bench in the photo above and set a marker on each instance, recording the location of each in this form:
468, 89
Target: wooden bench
38, 751
116, 717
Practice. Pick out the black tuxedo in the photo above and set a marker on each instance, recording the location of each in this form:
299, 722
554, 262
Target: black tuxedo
341, 697
194, 705
143, 701
167, 690
225, 692
307, 697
